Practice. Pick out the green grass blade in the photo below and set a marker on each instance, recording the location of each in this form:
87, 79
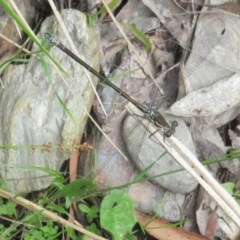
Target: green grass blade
66, 109
112, 5
28, 31
139, 35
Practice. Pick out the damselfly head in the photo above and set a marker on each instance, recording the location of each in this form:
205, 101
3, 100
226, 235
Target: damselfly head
171, 130
51, 38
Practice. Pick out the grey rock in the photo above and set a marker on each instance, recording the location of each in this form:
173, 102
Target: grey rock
210, 79
151, 199
172, 17
145, 151
112, 170
32, 113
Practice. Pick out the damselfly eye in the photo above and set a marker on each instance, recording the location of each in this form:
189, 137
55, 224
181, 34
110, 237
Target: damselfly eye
174, 123
168, 133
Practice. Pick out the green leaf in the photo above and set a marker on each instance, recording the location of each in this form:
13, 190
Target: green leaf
56, 208
57, 176
48, 75
66, 109
233, 154
91, 212
229, 187
78, 188
71, 233
33, 219
139, 35
2, 227
112, 5
90, 20
117, 214
92, 228
8, 209
50, 230
237, 194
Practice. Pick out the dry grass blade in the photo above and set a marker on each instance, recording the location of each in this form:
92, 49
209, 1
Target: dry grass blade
49, 215
106, 136
133, 49
14, 44
14, 6
191, 164
68, 37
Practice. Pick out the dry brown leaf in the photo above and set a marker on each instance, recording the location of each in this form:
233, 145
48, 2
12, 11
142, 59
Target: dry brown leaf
160, 229
212, 225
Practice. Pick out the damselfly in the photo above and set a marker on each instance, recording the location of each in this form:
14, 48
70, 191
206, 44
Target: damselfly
149, 112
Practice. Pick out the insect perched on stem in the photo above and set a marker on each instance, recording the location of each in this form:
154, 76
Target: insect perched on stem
149, 112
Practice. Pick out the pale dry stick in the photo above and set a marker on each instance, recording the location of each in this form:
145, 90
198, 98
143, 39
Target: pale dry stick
16, 222
68, 37
14, 6
14, 44
62, 25
140, 61
16, 25
190, 163
106, 136
46, 213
